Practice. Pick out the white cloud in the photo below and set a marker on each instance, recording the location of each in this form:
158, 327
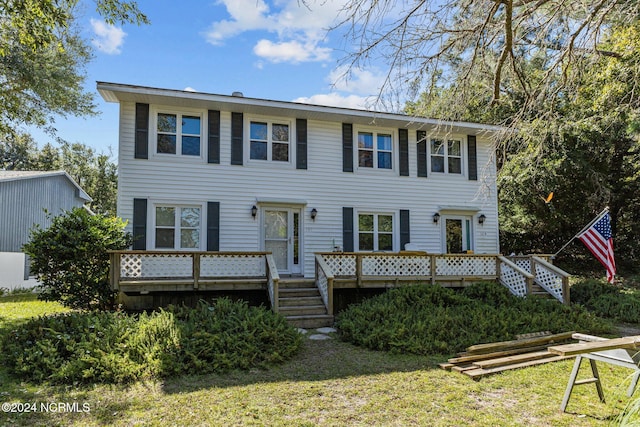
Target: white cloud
355, 88
189, 89
335, 99
299, 28
364, 82
292, 51
109, 38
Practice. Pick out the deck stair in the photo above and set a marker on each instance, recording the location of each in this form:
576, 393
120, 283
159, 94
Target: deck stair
299, 301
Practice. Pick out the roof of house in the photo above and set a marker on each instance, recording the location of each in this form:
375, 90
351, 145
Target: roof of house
116, 92
23, 175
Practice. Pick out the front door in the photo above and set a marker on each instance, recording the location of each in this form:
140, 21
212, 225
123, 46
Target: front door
281, 231
457, 234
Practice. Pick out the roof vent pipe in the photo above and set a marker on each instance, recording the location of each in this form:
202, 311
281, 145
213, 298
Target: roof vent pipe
238, 94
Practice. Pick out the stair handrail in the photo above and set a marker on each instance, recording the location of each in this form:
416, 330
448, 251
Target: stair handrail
565, 297
272, 281
528, 277
324, 272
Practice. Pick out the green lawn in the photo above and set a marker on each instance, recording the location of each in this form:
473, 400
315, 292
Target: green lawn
327, 383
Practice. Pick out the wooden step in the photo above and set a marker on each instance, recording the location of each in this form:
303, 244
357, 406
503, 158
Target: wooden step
297, 283
301, 310
286, 302
298, 292
311, 321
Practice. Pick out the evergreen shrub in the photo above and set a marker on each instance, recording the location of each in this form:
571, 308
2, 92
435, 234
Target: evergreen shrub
427, 319
113, 347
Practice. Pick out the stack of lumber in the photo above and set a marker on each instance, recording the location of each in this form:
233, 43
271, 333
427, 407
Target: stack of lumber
527, 350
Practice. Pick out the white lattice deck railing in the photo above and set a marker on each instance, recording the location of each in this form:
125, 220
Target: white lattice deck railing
409, 265
516, 273
324, 282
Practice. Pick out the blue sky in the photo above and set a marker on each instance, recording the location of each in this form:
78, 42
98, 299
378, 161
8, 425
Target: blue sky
266, 49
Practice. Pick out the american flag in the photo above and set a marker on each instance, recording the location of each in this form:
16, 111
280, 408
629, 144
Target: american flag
599, 241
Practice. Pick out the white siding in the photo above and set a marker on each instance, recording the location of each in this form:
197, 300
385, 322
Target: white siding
323, 186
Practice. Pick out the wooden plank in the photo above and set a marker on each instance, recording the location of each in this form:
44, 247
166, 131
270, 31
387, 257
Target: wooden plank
462, 368
533, 335
479, 372
484, 356
505, 345
446, 366
509, 360
589, 347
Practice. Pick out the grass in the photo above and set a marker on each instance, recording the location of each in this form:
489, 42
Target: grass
327, 383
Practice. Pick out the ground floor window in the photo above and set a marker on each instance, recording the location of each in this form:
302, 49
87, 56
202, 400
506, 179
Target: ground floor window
177, 227
375, 232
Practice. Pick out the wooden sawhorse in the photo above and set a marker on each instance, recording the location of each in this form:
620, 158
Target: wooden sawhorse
619, 351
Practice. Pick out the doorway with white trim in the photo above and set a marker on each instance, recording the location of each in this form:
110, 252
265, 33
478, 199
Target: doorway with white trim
281, 235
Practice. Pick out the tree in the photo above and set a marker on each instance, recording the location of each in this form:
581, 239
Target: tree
429, 44
581, 144
70, 258
42, 60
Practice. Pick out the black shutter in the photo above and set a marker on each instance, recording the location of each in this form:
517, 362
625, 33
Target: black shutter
213, 155
213, 226
347, 229
403, 142
301, 144
142, 131
140, 224
472, 155
405, 233
421, 136
347, 147
236, 138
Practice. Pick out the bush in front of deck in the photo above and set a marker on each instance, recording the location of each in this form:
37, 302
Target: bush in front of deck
113, 347
70, 258
428, 319
618, 302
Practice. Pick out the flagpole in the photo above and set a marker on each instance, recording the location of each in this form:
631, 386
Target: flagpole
597, 218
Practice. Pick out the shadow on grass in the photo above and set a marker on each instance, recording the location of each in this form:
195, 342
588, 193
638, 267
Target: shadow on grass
316, 361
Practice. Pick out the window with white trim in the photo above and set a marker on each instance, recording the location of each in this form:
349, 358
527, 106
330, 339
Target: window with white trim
177, 227
446, 156
269, 141
375, 150
375, 232
179, 133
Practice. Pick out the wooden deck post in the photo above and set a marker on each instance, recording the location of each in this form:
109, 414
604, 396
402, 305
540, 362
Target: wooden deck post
359, 270
114, 270
433, 268
566, 293
195, 271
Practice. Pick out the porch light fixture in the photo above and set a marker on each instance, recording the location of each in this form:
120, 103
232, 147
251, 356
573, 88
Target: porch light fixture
314, 213
254, 211
436, 218
481, 219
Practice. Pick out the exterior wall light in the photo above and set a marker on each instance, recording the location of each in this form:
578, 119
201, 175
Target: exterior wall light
436, 218
481, 219
314, 213
254, 211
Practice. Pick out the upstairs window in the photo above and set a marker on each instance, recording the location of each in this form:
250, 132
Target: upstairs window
446, 156
269, 141
375, 150
177, 227
179, 134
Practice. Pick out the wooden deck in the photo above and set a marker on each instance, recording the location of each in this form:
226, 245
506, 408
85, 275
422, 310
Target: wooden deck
152, 272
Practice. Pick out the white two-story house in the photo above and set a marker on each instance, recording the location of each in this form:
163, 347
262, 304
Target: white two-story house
208, 172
